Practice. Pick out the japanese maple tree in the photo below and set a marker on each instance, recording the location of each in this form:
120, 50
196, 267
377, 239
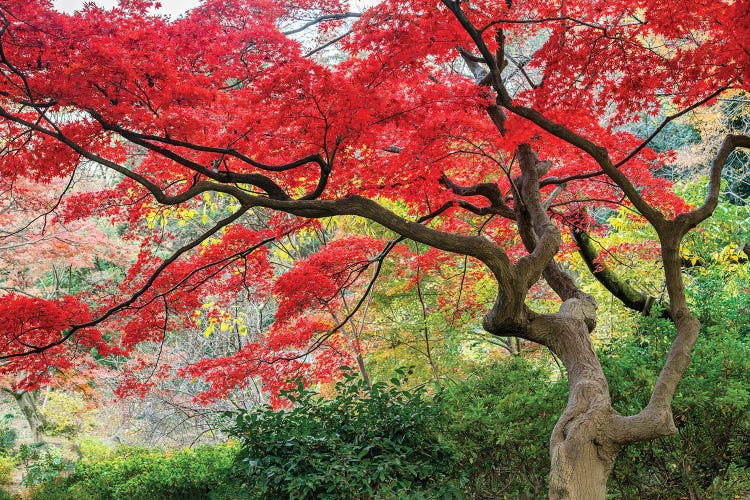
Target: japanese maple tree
479, 128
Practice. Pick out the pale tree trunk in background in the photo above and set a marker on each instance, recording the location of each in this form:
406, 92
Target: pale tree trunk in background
363, 369
27, 402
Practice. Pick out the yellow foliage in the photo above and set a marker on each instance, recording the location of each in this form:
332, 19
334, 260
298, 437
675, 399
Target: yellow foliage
223, 318
7, 466
67, 414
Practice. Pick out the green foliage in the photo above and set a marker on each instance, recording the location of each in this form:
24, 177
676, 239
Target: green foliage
675, 135
7, 435
729, 225
42, 463
486, 437
500, 422
378, 443
711, 453
199, 473
7, 466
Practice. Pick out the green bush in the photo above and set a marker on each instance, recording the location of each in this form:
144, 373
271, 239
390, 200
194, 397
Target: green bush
7, 466
138, 473
710, 455
500, 423
7, 444
7, 435
42, 463
711, 409
378, 443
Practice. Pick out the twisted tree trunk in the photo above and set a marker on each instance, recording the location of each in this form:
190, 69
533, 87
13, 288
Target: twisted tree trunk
582, 451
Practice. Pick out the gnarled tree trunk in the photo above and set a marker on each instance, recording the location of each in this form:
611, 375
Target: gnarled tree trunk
582, 452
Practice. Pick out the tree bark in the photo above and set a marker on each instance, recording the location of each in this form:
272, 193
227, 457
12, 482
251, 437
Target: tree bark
582, 447
580, 466
362, 369
27, 404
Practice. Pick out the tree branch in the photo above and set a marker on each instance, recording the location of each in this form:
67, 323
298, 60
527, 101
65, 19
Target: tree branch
621, 289
665, 123
689, 220
320, 19
489, 190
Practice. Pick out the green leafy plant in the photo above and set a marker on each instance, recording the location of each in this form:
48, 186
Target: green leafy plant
7, 466
494, 421
199, 473
382, 442
710, 457
7, 435
42, 463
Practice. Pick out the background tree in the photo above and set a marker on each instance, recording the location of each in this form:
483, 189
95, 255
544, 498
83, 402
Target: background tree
48, 260
456, 125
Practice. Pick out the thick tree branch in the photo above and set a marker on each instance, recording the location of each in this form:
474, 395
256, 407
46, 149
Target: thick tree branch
689, 220
621, 289
260, 181
532, 219
544, 236
489, 190
475, 246
129, 134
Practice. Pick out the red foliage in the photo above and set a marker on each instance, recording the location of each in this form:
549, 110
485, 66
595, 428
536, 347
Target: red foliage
221, 99
27, 323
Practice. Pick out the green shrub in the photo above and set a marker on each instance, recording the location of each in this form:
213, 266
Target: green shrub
711, 409
138, 473
500, 423
378, 443
483, 438
7, 444
42, 463
7, 435
7, 466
